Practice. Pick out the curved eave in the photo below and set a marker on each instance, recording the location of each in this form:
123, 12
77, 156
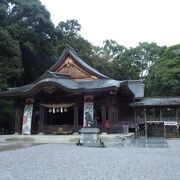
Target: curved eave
72, 86
35, 88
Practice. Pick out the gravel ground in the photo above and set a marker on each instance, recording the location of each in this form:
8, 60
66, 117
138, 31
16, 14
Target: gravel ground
70, 162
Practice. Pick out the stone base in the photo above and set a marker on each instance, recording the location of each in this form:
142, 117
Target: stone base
90, 137
16, 133
40, 133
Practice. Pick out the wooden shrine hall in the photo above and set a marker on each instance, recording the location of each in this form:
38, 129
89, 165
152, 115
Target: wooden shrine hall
59, 101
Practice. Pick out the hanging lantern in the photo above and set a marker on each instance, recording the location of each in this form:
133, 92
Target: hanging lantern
53, 110
61, 110
57, 110
65, 109
50, 110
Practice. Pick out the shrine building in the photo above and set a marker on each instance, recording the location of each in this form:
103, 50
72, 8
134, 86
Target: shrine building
56, 102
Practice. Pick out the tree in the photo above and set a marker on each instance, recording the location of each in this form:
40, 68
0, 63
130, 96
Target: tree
10, 63
68, 35
69, 28
27, 40
7, 114
164, 76
28, 23
144, 56
112, 50
112, 60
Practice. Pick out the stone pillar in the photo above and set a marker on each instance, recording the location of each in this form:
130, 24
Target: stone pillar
41, 120
75, 125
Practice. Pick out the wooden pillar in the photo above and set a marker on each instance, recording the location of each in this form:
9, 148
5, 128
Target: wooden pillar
161, 115
161, 119
110, 118
103, 116
164, 131
177, 127
41, 120
75, 125
18, 120
177, 114
135, 122
145, 124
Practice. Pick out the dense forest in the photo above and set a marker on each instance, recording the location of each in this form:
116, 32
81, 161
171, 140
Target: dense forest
30, 44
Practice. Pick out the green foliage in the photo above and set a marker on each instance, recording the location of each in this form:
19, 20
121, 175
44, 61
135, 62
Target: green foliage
144, 56
164, 76
10, 60
28, 24
7, 114
68, 35
112, 60
69, 28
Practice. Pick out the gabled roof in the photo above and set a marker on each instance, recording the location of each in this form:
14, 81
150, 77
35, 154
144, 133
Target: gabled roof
72, 53
67, 83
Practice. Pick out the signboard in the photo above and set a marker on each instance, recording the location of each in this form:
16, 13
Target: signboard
170, 123
27, 118
88, 118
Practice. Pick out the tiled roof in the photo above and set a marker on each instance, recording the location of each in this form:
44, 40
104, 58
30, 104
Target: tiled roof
67, 85
166, 101
65, 82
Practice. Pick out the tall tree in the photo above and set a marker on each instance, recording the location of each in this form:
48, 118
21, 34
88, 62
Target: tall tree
30, 25
68, 35
164, 76
7, 115
144, 56
69, 28
112, 60
10, 54
10, 60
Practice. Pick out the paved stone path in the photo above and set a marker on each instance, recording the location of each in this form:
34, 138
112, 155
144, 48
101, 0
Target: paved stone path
70, 162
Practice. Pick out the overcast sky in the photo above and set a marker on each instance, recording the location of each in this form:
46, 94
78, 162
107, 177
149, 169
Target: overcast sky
125, 21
